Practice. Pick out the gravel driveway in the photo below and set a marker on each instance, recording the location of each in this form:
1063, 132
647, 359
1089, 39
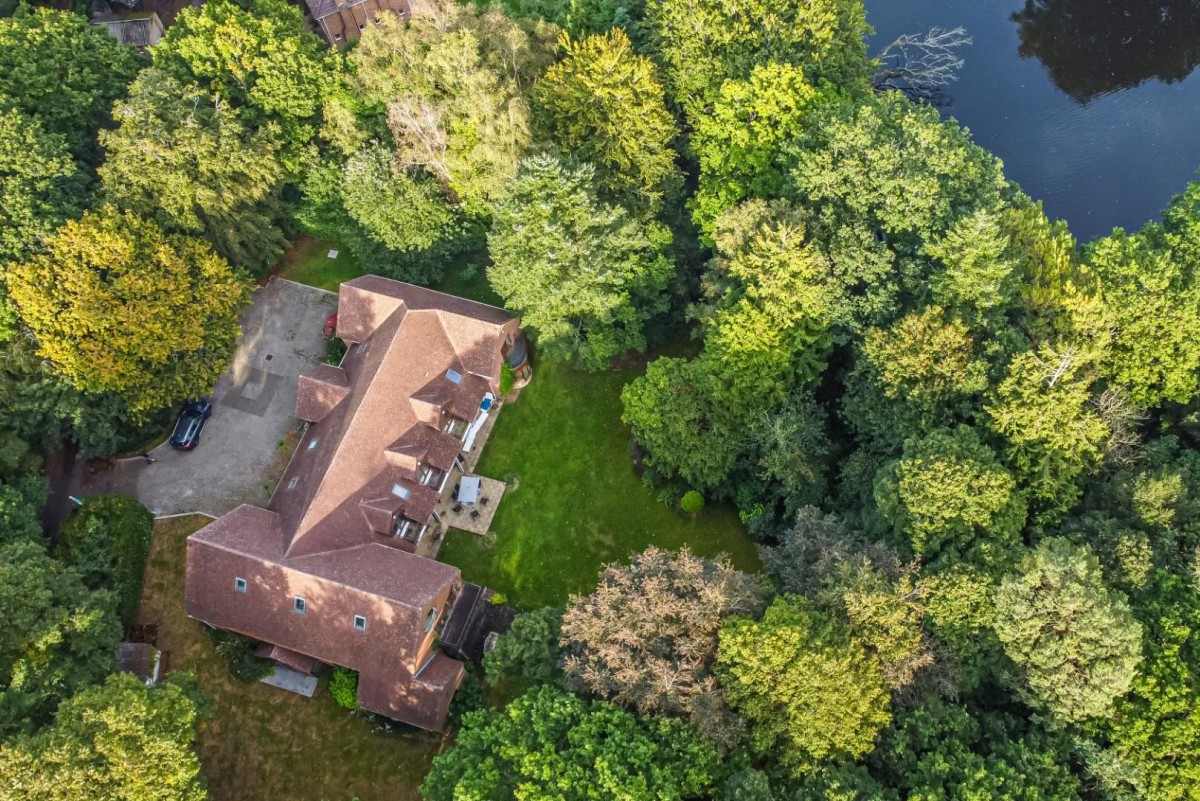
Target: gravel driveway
248, 439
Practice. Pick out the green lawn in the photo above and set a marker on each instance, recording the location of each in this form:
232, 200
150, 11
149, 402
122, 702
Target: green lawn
577, 504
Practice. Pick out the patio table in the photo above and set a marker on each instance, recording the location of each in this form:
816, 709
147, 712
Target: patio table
468, 490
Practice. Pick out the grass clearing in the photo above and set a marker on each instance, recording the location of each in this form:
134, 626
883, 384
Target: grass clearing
263, 743
577, 504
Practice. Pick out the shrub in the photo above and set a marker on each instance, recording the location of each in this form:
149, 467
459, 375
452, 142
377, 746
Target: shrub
344, 688
691, 502
238, 653
508, 379
107, 540
497, 599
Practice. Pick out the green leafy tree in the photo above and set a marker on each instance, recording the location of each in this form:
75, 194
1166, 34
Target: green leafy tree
119, 741
765, 333
39, 184
1054, 435
1155, 303
550, 744
881, 178
675, 414
1155, 729
705, 43
739, 143
948, 498
60, 636
1074, 639
107, 541
603, 103
188, 163
455, 91
979, 274
63, 72
920, 373
940, 750
582, 273
402, 211
960, 604
809, 692
263, 63
118, 306
790, 452
530, 651
647, 637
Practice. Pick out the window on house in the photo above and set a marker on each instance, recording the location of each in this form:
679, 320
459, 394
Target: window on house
362, 347
292, 484
360, 623
299, 605
454, 377
239, 584
402, 526
401, 492
425, 475
312, 443
430, 619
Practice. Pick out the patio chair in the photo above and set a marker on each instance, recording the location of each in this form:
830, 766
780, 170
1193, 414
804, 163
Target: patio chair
474, 515
484, 500
456, 508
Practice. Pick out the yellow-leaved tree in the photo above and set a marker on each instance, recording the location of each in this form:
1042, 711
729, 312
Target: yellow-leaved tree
118, 306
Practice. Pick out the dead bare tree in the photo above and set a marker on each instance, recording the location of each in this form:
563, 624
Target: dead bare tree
921, 65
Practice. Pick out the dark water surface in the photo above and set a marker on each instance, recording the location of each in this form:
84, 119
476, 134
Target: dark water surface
1094, 105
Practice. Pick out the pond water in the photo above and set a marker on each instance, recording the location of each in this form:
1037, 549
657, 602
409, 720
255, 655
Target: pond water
1094, 105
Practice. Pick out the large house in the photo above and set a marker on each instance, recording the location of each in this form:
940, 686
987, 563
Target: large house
329, 571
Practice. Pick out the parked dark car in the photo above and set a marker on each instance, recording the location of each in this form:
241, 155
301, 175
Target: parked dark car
191, 422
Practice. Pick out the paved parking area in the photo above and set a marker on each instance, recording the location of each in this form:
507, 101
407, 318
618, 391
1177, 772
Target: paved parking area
249, 437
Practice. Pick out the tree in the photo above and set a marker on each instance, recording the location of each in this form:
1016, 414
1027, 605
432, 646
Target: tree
979, 274
949, 498
107, 541
1156, 728
39, 184
766, 332
941, 750
1043, 409
60, 636
674, 413
455, 94
809, 692
739, 144
550, 744
63, 72
582, 273
647, 637
118, 306
704, 43
193, 166
119, 741
263, 63
1075, 640
603, 104
403, 211
1155, 303
530, 651
920, 373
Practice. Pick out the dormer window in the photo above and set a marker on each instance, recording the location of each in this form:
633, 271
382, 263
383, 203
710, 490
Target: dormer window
426, 475
402, 527
430, 619
454, 377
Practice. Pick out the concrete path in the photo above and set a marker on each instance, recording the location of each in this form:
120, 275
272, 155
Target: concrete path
293, 682
249, 438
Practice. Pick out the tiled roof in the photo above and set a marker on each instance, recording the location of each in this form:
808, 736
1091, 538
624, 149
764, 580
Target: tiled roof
325, 535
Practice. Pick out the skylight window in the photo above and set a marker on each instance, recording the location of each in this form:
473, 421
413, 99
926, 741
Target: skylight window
401, 492
312, 443
360, 623
239, 584
454, 377
295, 480
299, 605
